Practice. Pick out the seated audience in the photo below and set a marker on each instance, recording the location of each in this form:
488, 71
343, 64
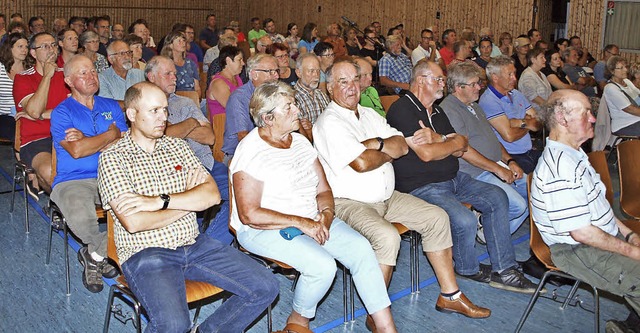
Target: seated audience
256, 32
115, 81
487, 34
78, 24
583, 81
281, 52
510, 113
135, 45
484, 50
90, 42
284, 210
210, 64
269, 26
505, 44
623, 99
175, 48
533, 83
573, 215
355, 148
634, 74
209, 34
585, 59
372, 50
449, 38
309, 38
522, 45
156, 229
292, 40
235, 25
561, 44
82, 126
325, 54
553, 70
426, 49
430, 171
36, 91
224, 83
333, 37
140, 28
485, 159
261, 68
395, 67
368, 94
351, 41
68, 42
263, 43
14, 59
599, 69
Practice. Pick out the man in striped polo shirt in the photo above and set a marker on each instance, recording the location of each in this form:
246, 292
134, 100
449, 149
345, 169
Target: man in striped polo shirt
572, 213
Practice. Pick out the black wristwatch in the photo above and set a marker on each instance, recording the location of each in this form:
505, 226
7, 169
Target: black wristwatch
381, 142
166, 198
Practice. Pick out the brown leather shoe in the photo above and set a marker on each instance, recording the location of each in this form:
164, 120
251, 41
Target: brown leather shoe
463, 306
296, 328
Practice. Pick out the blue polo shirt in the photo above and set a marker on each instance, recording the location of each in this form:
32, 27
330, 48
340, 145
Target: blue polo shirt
238, 117
513, 105
71, 114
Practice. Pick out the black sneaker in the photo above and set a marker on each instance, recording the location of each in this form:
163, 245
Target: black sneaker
109, 271
91, 274
483, 275
513, 280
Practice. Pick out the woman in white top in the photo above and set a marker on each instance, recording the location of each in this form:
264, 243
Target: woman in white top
622, 98
284, 210
533, 83
14, 58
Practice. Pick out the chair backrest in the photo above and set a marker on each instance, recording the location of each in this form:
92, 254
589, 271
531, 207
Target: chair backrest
195, 97
246, 50
218, 122
537, 245
598, 160
387, 100
203, 85
628, 166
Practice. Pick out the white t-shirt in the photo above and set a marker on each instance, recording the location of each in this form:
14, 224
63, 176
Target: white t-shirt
419, 53
337, 135
616, 101
290, 182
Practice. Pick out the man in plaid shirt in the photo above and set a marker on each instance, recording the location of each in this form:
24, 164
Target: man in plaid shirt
395, 67
153, 184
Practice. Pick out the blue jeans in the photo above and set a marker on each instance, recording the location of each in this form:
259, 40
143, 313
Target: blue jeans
219, 226
528, 160
317, 264
517, 195
156, 276
492, 202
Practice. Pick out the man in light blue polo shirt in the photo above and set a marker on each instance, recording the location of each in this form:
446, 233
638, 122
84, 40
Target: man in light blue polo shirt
82, 126
115, 81
510, 113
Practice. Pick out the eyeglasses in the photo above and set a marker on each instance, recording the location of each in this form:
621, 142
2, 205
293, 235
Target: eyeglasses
329, 55
439, 79
122, 54
613, 54
269, 71
47, 47
472, 84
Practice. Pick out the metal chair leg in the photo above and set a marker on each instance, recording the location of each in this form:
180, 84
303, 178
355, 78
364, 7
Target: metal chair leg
352, 297
533, 300
13, 188
269, 319
66, 255
107, 316
195, 317
571, 294
596, 309
25, 195
345, 291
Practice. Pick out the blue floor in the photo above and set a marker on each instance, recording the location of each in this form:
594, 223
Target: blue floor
32, 294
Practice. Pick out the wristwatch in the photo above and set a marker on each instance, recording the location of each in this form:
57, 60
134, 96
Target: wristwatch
523, 123
166, 198
381, 142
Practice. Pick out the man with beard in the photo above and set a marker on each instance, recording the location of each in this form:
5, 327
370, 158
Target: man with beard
309, 98
115, 81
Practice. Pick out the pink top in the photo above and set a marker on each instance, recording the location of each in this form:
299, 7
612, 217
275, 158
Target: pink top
214, 106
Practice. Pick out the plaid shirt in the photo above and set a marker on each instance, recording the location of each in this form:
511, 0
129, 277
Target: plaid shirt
396, 67
310, 102
126, 168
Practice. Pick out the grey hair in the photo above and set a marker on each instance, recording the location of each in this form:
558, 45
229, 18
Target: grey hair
392, 39
329, 72
496, 64
255, 59
302, 57
112, 45
565, 54
611, 65
153, 64
421, 68
459, 74
266, 99
85, 36
558, 103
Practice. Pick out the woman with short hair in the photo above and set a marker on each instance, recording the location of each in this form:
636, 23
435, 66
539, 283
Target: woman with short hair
284, 210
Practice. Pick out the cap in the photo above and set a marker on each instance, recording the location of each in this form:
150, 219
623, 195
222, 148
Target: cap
521, 41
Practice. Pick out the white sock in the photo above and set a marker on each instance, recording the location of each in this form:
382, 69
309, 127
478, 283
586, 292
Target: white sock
97, 257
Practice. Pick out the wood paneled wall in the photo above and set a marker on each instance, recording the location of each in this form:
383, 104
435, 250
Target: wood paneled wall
515, 16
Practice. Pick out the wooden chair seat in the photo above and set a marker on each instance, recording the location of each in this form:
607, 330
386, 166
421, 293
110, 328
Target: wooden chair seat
628, 166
